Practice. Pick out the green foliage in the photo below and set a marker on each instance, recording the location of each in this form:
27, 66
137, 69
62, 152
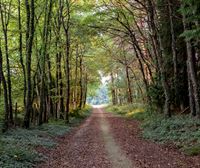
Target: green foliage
192, 150
190, 9
182, 131
54, 129
17, 156
17, 147
34, 137
171, 129
156, 93
191, 34
79, 115
130, 111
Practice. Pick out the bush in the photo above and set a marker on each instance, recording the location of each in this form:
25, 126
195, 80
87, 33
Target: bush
77, 116
129, 111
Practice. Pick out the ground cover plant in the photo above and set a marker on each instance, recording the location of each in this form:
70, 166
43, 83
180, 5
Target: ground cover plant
183, 131
18, 146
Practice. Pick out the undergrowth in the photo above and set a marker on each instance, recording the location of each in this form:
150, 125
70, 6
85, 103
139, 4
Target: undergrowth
17, 146
181, 130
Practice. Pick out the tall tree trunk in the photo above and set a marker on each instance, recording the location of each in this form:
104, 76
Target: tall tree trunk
50, 87
158, 52
129, 90
62, 109
45, 38
85, 90
66, 26
5, 18
81, 81
30, 14
67, 78
60, 105
192, 76
191, 95
21, 49
57, 80
113, 91
76, 79
173, 45
6, 106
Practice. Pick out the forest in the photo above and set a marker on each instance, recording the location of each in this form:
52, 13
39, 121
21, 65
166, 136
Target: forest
58, 57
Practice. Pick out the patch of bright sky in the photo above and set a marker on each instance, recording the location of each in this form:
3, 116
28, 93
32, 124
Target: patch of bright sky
104, 79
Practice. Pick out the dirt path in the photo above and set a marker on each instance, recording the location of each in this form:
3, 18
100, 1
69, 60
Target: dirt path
107, 141
115, 154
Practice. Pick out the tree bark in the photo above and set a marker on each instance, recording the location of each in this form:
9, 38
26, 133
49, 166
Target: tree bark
192, 76
113, 92
76, 78
66, 26
81, 81
6, 106
21, 49
5, 18
158, 52
45, 37
30, 29
173, 46
129, 89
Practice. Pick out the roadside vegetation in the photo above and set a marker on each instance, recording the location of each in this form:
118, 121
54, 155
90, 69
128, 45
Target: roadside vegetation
56, 55
183, 131
18, 146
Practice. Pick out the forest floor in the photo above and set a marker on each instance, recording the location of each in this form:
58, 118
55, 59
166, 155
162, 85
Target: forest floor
105, 140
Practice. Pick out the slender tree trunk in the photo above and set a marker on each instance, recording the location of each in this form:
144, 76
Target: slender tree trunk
50, 87
6, 106
191, 97
173, 45
66, 26
85, 90
76, 78
60, 105
129, 90
67, 78
114, 102
21, 49
30, 12
62, 109
5, 18
57, 81
81, 81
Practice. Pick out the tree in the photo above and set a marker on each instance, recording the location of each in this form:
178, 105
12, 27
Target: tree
5, 11
3, 81
30, 30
